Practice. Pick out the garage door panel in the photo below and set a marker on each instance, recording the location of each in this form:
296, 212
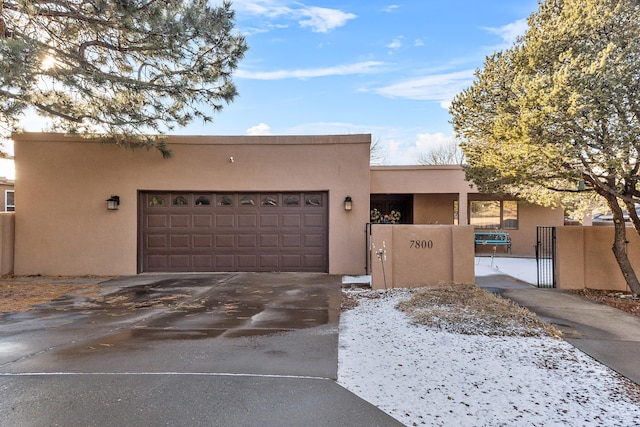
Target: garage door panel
225, 262
179, 261
313, 261
248, 241
203, 262
157, 262
155, 221
291, 220
291, 241
225, 220
269, 262
292, 261
202, 241
184, 231
203, 221
314, 241
269, 240
314, 220
180, 242
248, 262
269, 220
156, 241
248, 220
180, 221
225, 241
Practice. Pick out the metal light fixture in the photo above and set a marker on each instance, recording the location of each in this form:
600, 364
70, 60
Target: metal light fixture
348, 203
113, 202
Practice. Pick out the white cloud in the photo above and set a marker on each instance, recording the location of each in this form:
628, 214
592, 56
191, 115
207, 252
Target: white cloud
338, 70
405, 149
390, 8
427, 141
322, 20
418, 43
440, 87
268, 8
319, 19
510, 32
396, 43
261, 129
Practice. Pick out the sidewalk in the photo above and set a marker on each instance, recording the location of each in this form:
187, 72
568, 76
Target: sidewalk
610, 336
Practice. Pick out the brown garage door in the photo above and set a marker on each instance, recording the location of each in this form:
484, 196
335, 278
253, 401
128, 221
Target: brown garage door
187, 231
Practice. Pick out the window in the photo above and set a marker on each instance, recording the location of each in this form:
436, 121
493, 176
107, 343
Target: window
180, 201
494, 214
9, 204
156, 201
292, 201
313, 200
225, 201
456, 212
247, 201
269, 201
203, 201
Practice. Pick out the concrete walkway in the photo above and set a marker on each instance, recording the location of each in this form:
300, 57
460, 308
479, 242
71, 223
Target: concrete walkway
609, 335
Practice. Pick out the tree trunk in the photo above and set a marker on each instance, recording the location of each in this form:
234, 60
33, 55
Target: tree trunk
620, 245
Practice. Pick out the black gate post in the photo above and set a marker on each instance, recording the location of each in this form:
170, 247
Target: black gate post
546, 256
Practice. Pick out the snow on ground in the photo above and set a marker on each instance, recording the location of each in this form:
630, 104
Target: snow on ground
428, 377
524, 269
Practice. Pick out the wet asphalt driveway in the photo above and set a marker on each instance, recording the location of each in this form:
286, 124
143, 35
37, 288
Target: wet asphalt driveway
236, 349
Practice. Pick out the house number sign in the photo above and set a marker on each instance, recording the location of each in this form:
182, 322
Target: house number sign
421, 244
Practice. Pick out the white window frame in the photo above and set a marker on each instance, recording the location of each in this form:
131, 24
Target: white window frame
9, 207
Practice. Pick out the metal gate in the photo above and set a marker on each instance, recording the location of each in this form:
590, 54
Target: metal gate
545, 256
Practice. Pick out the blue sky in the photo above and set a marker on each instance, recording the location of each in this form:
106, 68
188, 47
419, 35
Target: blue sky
340, 67
379, 67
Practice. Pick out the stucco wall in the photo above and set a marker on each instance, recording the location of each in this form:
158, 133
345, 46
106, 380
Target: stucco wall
433, 208
435, 188
7, 241
421, 255
584, 258
523, 240
62, 183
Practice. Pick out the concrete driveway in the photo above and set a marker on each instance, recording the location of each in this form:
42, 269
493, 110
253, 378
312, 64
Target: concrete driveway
236, 349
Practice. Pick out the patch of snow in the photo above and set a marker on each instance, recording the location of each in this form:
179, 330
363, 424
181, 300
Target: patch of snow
524, 269
428, 377
346, 280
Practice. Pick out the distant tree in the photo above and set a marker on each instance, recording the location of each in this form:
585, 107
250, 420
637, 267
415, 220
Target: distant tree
560, 112
377, 153
444, 154
122, 69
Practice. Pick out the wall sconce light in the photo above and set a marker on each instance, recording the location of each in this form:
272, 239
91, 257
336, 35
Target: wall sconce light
232, 160
348, 203
113, 202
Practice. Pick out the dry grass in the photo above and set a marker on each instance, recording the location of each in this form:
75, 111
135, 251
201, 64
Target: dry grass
467, 309
624, 301
20, 296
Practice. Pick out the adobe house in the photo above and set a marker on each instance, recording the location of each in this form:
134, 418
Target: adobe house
230, 203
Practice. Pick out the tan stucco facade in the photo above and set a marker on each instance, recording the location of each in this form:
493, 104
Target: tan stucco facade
406, 256
436, 188
62, 226
584, 258
62, 183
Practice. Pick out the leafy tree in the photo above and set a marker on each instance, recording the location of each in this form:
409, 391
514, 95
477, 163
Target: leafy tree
560, 110
122, 69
